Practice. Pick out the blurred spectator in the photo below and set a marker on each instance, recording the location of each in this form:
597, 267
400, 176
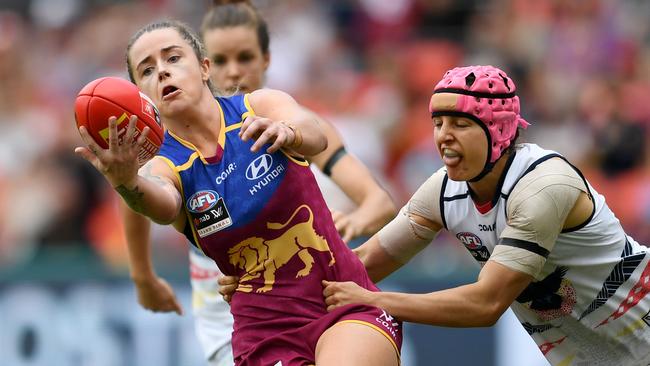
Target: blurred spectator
367, 65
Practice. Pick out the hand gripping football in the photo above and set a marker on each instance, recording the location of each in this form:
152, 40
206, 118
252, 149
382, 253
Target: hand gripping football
112, 96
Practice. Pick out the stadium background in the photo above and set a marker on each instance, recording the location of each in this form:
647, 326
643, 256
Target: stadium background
583, 72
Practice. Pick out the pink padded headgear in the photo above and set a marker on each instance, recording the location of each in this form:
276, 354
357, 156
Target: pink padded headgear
486, 95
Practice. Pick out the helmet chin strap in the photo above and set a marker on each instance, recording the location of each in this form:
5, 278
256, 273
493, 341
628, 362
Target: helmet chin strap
486, 169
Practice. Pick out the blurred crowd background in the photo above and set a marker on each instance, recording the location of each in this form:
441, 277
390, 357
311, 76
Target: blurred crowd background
582, 68
369, 66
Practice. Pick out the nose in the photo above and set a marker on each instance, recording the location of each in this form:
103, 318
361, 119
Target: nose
233, 70
443, 132
163, 72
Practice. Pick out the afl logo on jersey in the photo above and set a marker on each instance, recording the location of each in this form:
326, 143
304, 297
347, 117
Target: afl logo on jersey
475, 246
471, 241
202, 201
258, 167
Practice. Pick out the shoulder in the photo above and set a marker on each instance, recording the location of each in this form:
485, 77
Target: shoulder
266, 98
549, 175
426, 200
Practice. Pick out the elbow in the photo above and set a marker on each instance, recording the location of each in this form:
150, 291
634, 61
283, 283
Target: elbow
491, 314
322, 143
166, 217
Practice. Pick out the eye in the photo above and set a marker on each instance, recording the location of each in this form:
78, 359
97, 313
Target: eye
437, 122
147, 71
219, 60
245, 57
173, 59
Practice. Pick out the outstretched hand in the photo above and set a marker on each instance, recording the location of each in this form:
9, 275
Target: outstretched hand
343, 293
118, 163
158, 296
264, 130
227, 287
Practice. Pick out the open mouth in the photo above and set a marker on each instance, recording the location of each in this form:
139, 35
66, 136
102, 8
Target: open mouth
169, 90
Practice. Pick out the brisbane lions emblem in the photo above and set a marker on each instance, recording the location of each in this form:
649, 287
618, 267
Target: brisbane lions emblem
260, 257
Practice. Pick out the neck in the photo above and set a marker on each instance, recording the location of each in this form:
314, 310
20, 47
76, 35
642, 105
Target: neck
484, 190
198, 124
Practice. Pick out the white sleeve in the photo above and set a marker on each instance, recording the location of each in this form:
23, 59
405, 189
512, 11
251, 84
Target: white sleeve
537, 209
403, 237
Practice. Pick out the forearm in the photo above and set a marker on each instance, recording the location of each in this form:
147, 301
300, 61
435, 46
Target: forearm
457, 307
155, 200
137, 230
377, 262
375, 211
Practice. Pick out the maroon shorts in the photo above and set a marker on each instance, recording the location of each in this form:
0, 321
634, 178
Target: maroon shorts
297, 347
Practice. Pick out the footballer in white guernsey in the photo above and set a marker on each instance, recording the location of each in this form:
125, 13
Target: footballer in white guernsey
548, 245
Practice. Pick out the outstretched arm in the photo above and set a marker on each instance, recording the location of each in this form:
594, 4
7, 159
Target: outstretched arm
478, 304
154, 293
153, 191
374, 205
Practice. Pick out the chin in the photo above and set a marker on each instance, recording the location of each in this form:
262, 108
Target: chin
458, 175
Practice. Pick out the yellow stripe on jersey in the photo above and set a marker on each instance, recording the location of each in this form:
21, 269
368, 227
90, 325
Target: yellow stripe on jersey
234, 126
176, 170
250, 111
294, 159
222, 128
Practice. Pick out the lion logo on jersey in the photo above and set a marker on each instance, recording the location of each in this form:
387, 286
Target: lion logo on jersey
260, 257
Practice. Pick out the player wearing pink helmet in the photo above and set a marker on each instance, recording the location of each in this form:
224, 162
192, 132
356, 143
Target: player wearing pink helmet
549, 246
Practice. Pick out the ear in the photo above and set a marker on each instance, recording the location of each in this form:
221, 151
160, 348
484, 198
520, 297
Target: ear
267, 60
205, 69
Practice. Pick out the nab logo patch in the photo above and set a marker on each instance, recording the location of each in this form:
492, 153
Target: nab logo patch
258, 167
646, 318
202, 201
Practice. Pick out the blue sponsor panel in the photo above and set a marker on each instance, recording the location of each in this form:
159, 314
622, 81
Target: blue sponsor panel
73, 312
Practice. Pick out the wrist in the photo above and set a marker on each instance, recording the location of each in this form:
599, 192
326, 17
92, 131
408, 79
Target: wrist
297, 136
143, 278
372, 298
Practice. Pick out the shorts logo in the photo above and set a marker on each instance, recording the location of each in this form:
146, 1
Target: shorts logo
202, 201
475, 246
388, 322
258, 167
646, 318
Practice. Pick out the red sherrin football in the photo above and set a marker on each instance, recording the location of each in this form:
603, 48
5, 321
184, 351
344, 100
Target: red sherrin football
112, 96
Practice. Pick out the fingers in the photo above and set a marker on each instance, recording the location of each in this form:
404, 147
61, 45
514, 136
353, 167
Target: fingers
228, 280
264, 131
227, 287
347, 235
89, 141
113, 136
131, 130
330, 295
88, 155
176, 307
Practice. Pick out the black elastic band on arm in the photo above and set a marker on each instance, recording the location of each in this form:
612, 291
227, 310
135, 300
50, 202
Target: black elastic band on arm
526, 245
338, 154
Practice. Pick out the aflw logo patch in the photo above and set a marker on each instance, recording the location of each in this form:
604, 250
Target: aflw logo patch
209, 212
